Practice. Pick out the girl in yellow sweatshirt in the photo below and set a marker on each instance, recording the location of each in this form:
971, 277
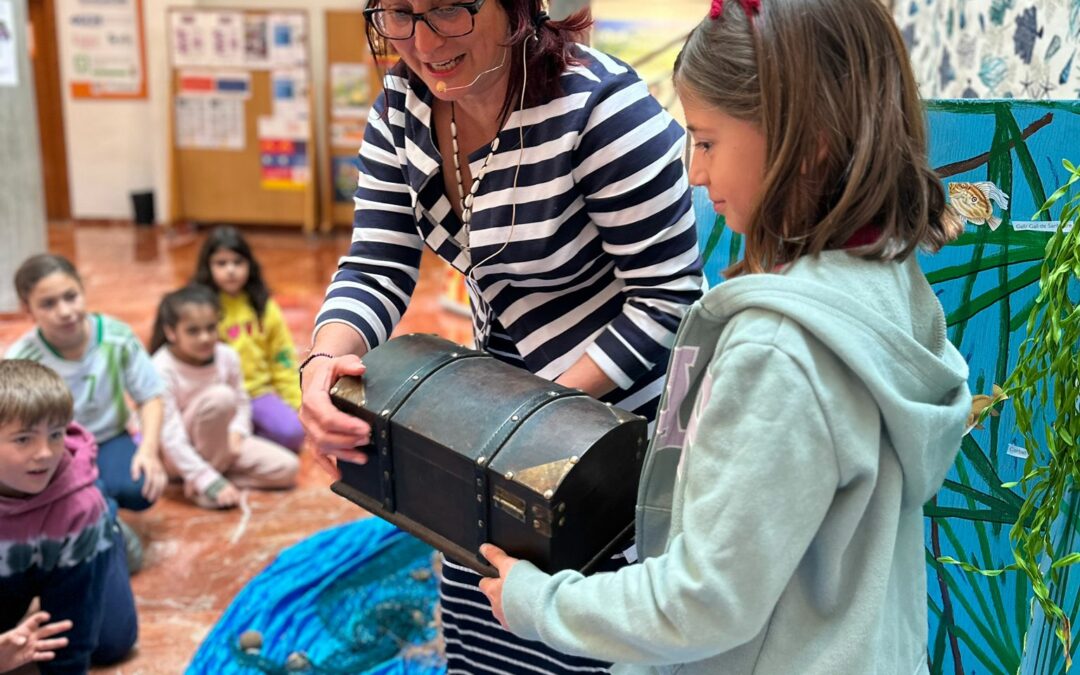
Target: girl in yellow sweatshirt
252, 324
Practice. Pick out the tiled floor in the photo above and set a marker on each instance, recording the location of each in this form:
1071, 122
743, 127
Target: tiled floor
197, 560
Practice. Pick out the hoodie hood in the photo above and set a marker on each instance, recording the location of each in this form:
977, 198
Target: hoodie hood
898, 349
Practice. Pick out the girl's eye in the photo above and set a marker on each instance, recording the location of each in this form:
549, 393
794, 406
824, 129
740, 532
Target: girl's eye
703, 146
21, 440
56, 435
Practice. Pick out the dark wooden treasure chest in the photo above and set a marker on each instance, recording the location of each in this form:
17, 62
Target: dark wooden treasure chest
468, 450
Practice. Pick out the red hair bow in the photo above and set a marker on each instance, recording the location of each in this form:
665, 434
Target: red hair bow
751, 7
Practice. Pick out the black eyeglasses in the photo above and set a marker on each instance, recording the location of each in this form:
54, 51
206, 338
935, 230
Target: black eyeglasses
450, 21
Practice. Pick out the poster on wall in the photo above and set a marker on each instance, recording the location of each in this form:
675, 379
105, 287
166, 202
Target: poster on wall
208, 39
289, 89
211, 83
209, 123
106, 52
283, 153
287, 34
226, 39
9, 64
345, 174
347, 133
350, 90
256, 42
189, 39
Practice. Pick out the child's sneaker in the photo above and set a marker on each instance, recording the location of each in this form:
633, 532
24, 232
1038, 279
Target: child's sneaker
209, 498
133, 547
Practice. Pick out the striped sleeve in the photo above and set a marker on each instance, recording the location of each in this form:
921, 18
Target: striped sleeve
628, 164
375, 280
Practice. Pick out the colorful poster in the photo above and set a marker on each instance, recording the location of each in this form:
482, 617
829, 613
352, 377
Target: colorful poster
9, 64
225, 85
226, 39
189, 41
287, 34
347, 133
289, 89
256, 42
345, 172
283, 150
105, 41
350, 90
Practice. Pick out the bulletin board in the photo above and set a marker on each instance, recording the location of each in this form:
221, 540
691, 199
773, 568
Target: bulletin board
352, 83
242, 145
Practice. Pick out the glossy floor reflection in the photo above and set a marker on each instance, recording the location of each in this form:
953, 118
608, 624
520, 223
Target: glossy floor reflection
197, 560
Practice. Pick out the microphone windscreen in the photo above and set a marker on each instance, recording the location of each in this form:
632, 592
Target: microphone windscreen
440, 86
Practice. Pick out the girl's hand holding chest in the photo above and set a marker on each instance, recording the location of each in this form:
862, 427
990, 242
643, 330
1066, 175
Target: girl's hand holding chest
493, 587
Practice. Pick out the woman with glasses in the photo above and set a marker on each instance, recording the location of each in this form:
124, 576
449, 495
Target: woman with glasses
546, 173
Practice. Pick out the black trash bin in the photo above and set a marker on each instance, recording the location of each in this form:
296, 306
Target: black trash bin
143, 203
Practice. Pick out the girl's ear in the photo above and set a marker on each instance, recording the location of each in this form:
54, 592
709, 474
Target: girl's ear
170, 334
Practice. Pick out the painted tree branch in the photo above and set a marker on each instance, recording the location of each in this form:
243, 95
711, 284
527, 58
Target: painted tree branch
979, 160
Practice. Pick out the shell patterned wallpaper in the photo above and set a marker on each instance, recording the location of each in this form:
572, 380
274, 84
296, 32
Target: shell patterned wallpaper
993, 48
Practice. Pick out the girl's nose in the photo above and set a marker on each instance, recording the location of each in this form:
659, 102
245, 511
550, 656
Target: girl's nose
697, 176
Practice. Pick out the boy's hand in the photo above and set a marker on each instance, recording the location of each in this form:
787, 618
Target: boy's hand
147, 463
32, 641
493, 588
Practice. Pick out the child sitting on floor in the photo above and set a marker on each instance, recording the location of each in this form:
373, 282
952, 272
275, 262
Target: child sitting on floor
58, 540
102, 362
207, 437
252, 324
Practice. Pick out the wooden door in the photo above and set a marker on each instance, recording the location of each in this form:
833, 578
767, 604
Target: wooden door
45, 57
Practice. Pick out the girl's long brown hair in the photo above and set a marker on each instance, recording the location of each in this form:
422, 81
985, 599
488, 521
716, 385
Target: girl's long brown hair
830, 83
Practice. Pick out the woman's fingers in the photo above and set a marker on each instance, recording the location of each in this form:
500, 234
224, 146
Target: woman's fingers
328, 464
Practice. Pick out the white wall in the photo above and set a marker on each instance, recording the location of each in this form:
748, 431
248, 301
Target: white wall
117, 147
22, 204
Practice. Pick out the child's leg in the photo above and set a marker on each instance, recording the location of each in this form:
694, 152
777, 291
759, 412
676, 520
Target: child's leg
120, 627
275, 419
264, 464
114, 464
207, 420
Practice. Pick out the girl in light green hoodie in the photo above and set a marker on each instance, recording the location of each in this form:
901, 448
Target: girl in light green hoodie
813, 402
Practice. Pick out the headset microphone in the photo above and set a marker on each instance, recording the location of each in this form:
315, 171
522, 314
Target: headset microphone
441, 87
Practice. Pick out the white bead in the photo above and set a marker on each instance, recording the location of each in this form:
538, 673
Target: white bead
495, 144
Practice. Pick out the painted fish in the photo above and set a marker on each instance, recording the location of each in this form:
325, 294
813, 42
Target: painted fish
975, 202
980, 402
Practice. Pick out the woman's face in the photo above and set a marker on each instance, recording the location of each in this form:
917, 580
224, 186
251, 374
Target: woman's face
457, 61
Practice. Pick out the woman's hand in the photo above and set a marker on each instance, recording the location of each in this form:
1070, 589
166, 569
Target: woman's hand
146, 463
493, 588
334, 434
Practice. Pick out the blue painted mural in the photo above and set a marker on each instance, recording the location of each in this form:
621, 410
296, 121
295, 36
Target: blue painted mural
999, 160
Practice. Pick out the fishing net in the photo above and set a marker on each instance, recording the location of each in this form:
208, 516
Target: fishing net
358, 598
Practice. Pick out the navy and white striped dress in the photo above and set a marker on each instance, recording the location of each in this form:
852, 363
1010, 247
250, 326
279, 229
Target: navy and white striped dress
602, 260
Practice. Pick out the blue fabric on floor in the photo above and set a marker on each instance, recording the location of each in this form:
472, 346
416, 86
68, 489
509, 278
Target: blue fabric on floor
350, 598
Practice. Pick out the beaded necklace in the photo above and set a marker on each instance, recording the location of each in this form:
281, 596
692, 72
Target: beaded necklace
467, 199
